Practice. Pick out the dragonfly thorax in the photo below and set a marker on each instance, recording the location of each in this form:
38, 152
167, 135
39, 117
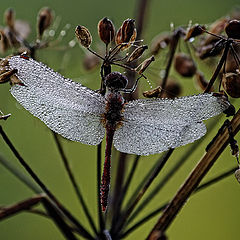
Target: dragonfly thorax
115, 81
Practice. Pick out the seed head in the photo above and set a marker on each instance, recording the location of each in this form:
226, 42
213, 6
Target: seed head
83, 35
194, 31
232, 29
143, 66
106, 30
137, 53
161, 41
9, 16
127, 33
44, 20
237, 175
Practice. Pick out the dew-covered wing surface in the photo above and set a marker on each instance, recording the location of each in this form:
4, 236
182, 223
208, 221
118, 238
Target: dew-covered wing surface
155, 125
64, 106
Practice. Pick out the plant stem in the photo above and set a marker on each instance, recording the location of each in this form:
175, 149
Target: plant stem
73, 181
194, 179
161, 208
57, 204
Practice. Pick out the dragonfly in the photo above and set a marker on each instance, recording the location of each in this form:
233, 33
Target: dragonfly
142, 127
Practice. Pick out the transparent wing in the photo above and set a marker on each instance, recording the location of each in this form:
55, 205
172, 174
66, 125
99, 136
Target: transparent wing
144, 139
64, 106
182, 110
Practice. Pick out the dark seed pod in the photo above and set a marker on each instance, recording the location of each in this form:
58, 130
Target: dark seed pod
237, 175
44, 20
144, 65
4, 42
5, 77
201, 82
9, 16
127, 33
137, 53
83, 36
160, 42
185, 65
231, 84
232, 29
106, 30
194, 31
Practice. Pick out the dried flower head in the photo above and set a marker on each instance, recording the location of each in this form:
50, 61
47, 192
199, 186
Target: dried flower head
144, 65
106, 30
83, 35
44, 20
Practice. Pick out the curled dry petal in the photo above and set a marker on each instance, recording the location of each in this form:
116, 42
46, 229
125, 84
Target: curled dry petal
83, 35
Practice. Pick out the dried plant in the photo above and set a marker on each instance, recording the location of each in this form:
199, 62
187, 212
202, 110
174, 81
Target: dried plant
118, 210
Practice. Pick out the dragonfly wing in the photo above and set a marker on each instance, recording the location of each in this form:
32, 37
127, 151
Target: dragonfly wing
144, 139
183, 110
64, 106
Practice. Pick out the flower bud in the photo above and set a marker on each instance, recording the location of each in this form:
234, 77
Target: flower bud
185, 65
232, 29
231, 84
127, 33
44, 20
201, 82
106, 30
83, 36
137, 53
143, 66
194, 31
9, 16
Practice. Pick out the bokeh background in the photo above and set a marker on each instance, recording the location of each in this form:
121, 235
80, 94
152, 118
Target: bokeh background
210, 214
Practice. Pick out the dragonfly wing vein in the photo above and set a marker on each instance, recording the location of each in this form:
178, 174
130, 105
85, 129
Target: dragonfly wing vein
145, 139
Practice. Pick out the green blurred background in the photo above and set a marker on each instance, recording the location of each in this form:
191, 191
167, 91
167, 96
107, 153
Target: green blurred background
210, 214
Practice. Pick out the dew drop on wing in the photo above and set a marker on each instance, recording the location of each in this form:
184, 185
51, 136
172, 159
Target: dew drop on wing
154, 125
64, 106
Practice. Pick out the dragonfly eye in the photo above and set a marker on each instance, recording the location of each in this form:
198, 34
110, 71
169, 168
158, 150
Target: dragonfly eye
116, 80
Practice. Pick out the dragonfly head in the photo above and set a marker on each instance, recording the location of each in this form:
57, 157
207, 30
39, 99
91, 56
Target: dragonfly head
116, 81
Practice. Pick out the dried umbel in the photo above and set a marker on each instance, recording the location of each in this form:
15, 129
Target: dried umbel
106, 30
44, 20
231, 84
83, 36
232, 29
137, 53
127, 33
201, 82
185, 65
